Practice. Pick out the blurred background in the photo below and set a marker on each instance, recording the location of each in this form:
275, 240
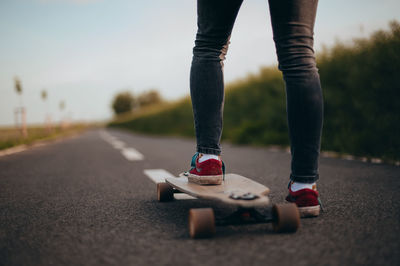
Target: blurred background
70, 63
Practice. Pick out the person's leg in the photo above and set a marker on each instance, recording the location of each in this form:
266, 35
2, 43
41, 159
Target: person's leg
293, 28
215, 23
215, 19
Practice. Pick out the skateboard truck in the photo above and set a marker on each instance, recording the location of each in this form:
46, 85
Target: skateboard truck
245, 216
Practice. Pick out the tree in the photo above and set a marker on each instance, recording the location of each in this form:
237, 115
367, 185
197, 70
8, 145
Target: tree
149, 98
62, 105
123, 102
18, 86
43, 94
18, 89
21, 110
63, 121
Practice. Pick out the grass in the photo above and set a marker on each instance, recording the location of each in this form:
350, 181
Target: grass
10, 137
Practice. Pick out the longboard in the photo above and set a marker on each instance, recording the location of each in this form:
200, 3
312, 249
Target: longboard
235, 190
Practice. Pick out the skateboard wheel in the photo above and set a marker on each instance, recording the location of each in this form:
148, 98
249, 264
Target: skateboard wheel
164, 192
286, 218
201, 223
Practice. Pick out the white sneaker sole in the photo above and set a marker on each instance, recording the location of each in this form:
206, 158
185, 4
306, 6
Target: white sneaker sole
312, 211
205, 180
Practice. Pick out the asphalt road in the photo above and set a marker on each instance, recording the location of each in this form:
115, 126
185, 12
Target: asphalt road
87, 201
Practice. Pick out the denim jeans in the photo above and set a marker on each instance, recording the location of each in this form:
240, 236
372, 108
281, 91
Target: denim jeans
292, 25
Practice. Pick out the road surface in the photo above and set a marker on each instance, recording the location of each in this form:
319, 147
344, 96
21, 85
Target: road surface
91, 200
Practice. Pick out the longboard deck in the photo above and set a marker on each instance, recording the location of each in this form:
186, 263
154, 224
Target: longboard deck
232, 185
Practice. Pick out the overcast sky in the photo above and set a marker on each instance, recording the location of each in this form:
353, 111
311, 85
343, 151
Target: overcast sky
85, 51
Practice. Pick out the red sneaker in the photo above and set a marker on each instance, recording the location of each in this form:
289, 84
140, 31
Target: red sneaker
209, 172
306, 200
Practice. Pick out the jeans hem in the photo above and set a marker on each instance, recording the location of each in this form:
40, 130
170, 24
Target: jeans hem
304, 178
208, 150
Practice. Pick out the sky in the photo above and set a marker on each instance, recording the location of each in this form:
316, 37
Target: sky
83, 52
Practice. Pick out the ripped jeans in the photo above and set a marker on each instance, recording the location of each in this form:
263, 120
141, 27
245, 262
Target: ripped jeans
292, 24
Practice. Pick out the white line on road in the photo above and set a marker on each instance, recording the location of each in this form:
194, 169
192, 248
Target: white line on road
105, 135
13, 150
117, 144
159, 175
131, 154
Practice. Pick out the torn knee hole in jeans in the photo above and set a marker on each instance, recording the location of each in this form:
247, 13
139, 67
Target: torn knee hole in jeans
224, 51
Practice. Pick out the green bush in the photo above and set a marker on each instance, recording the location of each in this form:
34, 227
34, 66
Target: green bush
172, 120
255, 110
361, 91
361, 110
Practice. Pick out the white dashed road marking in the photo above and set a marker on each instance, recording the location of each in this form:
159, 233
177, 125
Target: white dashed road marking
159, 175
117, 144
131, 154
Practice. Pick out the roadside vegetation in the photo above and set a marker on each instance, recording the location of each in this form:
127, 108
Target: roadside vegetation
361, 91
10, 137
22, 134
